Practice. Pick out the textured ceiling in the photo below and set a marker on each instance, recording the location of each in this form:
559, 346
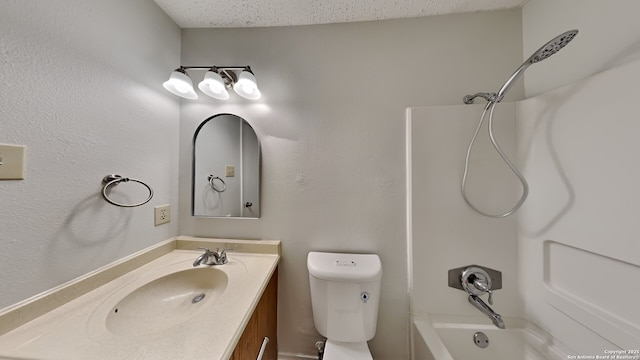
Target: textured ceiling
257, 13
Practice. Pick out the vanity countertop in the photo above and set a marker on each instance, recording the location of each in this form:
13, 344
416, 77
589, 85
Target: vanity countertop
69, 322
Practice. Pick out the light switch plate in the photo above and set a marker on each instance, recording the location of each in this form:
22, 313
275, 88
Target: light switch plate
12, 159
229, 171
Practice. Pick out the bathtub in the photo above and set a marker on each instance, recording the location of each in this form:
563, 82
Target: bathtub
442, 337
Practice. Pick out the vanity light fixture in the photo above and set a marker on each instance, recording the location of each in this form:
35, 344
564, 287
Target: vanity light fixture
217, 81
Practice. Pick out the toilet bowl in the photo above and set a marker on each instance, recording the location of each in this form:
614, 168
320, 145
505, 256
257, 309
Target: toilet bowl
345, 294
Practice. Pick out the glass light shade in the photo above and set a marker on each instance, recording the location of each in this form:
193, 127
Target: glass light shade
246, 86
180, 84
213, 85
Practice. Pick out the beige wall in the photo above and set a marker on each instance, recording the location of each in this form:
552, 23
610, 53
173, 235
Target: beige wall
82, 89
577, 237
332, 127
445, 232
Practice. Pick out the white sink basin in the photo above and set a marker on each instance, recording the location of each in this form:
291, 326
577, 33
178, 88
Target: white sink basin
159, 300
166, 301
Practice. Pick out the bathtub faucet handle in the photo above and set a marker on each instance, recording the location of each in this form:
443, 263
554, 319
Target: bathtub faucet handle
482, 285
477, 281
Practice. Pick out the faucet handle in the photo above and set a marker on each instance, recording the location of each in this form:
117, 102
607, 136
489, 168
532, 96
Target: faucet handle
216, 257
476, 281
463, 278
482, 285
219, 257
223, 255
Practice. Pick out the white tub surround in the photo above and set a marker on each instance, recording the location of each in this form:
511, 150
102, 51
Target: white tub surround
79, 320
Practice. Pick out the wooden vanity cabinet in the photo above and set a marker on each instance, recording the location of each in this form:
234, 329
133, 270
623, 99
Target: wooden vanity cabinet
263, 323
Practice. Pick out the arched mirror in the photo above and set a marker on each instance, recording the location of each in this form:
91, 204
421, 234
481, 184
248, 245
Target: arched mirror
226, 169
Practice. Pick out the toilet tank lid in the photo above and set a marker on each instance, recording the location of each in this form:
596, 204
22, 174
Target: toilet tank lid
344, 267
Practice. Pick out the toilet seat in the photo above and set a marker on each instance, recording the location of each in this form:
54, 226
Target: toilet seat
336, 350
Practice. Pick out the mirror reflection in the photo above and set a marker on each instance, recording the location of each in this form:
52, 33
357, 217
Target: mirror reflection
226, 168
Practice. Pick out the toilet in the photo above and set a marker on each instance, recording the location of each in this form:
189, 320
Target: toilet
345, 293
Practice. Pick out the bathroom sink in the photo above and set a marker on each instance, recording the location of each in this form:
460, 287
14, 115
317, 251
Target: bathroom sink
153, 305
148, 306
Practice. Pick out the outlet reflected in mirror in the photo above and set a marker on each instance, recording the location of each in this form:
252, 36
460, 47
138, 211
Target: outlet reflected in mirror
226, 169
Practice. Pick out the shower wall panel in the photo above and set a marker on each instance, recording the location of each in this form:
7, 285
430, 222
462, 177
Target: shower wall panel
579, 253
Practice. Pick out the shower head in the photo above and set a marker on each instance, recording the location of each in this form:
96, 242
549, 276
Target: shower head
552, 46
544, 52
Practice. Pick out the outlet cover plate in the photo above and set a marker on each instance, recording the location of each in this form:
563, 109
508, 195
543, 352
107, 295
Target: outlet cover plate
162, 214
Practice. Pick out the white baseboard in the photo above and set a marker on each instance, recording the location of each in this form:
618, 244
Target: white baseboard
290, 356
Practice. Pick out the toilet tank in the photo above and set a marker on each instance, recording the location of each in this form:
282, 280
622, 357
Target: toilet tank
345, 294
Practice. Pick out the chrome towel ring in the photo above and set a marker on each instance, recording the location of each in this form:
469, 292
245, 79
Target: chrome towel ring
111, 180
213, 186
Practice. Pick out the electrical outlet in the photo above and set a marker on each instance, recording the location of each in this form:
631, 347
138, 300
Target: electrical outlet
229, 171
162, 214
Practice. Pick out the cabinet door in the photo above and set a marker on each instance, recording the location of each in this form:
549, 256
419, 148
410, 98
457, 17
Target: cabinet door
263, 323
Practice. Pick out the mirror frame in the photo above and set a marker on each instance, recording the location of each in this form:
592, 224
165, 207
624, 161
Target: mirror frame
193, 169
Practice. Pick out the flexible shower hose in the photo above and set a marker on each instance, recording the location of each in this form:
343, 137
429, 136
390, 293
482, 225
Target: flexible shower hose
525, 187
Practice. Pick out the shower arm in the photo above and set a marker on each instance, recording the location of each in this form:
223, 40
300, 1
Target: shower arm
487, 96
497, 97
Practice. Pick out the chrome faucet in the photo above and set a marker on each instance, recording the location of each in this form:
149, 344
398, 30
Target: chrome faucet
476, 281
476, 301
212, 257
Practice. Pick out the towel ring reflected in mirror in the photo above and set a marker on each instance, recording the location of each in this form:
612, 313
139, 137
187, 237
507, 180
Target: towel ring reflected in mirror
215, 188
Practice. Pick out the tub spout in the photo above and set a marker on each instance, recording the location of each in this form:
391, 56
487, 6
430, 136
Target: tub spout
476, 301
